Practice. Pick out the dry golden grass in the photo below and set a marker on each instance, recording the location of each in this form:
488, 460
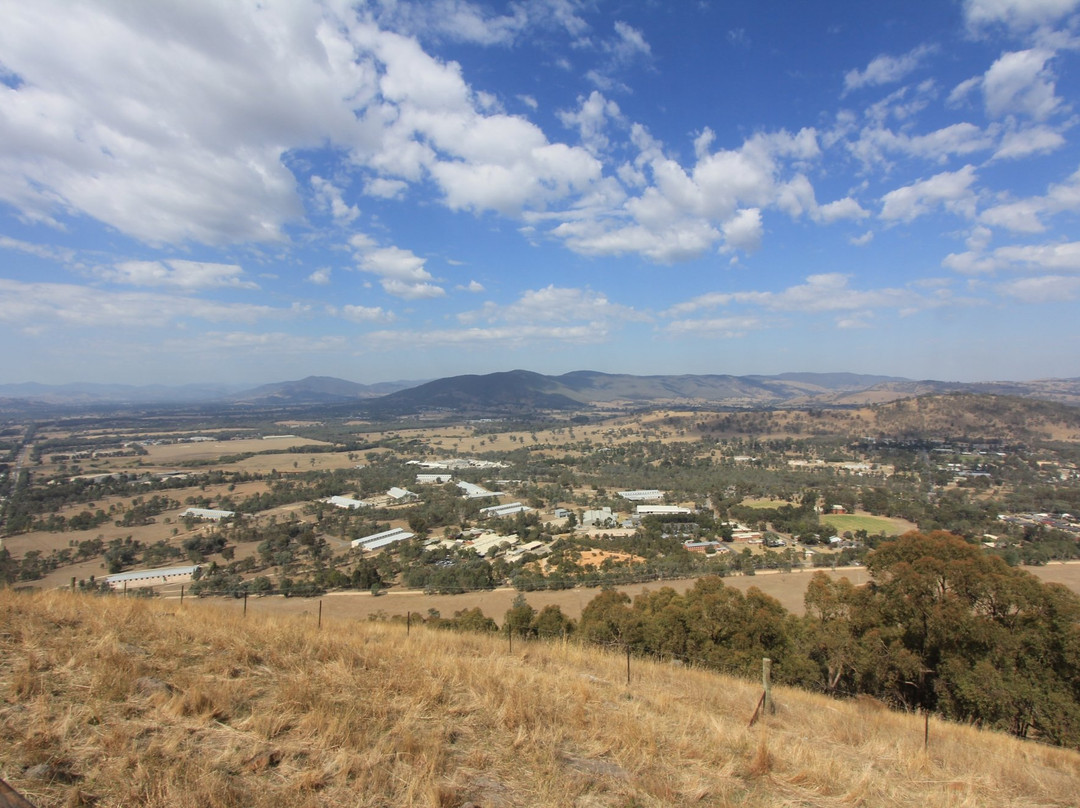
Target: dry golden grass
128, 702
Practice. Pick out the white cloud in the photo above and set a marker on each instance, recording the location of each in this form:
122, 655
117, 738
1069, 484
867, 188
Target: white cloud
412, 290
329, 197
475, 287
504, 335
320, 277
1020, 217
743, 230
464, 21
886, 69
820, 293
1027, 215
728, 327
367, 314
874, 143
272, 343
177, 274
629, 43
863, 240
40, 250
1020, 83
188, 146
401, 272
554, 304
39, 305
590, 120
1042, 289
846, 208
1028, 141
1016, 14
950, 189
1059, 257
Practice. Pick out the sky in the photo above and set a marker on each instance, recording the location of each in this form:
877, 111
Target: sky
249, 191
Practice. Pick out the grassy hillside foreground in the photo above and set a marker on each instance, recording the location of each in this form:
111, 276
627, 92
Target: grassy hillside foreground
116, 702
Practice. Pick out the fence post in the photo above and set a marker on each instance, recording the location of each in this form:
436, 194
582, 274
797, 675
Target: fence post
628, 664
245, 604
320, 613
766, 681
181, 594
926, 729
408, 622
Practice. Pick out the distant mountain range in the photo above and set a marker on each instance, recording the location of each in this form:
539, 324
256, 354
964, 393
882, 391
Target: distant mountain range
523, 391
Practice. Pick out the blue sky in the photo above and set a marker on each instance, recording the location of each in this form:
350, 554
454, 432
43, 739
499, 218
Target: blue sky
246, 192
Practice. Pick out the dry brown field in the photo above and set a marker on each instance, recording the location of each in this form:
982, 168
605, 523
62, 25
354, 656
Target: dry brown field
166, 454
127, 702
788, 588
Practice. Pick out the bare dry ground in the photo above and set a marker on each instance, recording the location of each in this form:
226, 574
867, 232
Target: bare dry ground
118, 702
788, 588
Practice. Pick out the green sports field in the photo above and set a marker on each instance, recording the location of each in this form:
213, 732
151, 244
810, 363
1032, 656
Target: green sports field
871, 524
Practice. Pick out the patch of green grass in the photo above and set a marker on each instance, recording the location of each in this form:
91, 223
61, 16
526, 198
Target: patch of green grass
871, 524
764, 503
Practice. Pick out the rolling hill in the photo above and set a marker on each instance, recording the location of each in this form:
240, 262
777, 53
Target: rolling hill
523, 391
111, 701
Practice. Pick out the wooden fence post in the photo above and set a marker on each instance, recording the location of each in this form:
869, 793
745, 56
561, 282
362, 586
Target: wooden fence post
766, 681
628, 664
245, 604
320, 613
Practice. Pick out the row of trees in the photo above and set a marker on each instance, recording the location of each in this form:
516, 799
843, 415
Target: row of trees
943, 626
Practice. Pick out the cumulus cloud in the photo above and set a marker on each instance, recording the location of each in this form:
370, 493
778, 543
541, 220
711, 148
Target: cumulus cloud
401, 272
320, 277
1016, 14
1028, 215
1027, 141
37, 305
1042, 289
385, 188
950, 189
727, 327
554, 304
177, 274
1059, 257
827, 293
1020, 83
885, 69
186, 148
876, 143
40, 250
253, 343
367, 314
590, 120
743, 230
330, 197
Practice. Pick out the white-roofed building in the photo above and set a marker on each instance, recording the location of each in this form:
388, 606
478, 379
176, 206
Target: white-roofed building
642, 495
485, 542
401, 495
433, 479
346, 502
386, 537
509, 509
474, 491
661, 510
165, 575
212, 514
598, 516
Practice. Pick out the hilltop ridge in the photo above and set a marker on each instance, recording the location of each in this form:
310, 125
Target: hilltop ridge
120, 701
